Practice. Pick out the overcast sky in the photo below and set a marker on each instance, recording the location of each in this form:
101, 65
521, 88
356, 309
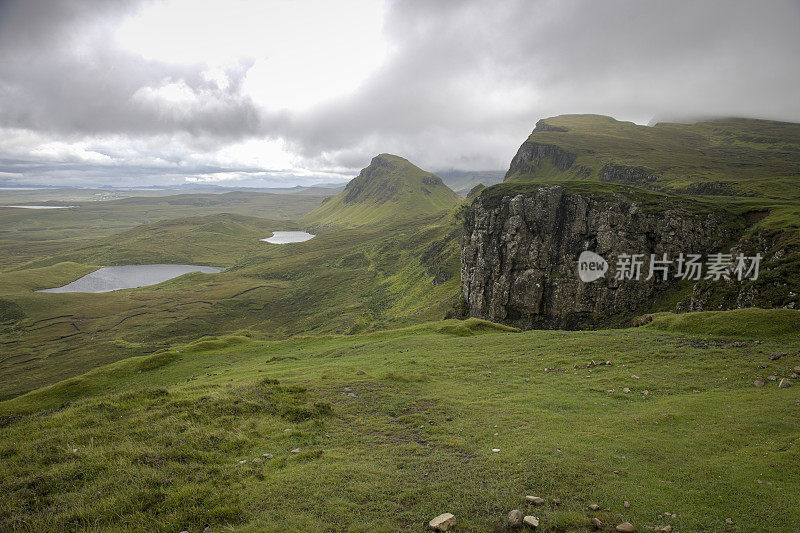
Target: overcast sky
276, 93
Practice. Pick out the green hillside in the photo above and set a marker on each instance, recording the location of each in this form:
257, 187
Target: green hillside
733, 157
389, 189
383, 431
27, 235
342, 280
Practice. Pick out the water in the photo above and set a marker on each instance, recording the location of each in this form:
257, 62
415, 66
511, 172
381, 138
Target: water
113, 278
41, 206
286, 237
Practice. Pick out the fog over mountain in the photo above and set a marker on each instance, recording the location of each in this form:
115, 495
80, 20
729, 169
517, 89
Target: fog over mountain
286, 93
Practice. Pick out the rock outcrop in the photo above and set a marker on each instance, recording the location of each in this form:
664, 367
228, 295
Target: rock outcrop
520, 250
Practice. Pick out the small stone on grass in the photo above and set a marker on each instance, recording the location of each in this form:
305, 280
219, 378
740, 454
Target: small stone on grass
443, 522
531, 521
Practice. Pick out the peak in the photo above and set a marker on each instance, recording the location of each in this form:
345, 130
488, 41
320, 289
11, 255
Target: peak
389, 159
390, 187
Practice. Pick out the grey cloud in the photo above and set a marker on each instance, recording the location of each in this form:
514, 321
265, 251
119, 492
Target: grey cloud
630, 59
51, 80
462, 86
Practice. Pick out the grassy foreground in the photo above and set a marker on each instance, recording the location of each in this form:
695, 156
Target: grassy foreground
395, 427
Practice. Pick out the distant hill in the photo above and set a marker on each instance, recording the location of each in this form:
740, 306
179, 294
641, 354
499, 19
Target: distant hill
390, 188
463, 181
734, 157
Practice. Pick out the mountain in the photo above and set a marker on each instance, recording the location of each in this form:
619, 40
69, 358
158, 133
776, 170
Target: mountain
463, 181
734, 157
390, 188
590, 183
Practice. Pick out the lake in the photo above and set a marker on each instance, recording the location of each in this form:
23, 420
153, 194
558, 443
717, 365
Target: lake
287, 237
113, 278
40, 206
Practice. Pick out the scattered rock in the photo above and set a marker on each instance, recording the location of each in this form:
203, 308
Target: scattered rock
257, 460
645, 392
443, 522
556, 501
626, 390
634, 376
267, 455
773, 377
495, 450
729, 521
667, 529
626, 527
207, 529
360, 373
296, 450
627, 504
515, 518
759, 383
535, 500
594, 507
785, 383
531, 521
596, 523
243, 461
797, 369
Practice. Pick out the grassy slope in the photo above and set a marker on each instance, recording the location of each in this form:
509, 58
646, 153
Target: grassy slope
26, 235
759, 159
397, 426
389, 189
341, 281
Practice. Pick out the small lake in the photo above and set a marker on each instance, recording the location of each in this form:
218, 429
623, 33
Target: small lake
287, 237
40, 206
113, 278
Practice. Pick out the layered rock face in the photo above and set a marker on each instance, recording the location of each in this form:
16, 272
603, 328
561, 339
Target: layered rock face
519, 254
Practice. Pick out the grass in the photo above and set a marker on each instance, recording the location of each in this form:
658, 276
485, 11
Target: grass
344, 280
27, 235
151, 408
397, 426
757, 323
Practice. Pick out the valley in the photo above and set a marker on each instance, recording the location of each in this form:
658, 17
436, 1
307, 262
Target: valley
337, 370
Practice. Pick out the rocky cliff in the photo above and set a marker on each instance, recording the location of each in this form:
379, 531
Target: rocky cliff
521, 245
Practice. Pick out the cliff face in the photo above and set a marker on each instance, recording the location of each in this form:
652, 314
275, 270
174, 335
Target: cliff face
519, 253
777, 285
